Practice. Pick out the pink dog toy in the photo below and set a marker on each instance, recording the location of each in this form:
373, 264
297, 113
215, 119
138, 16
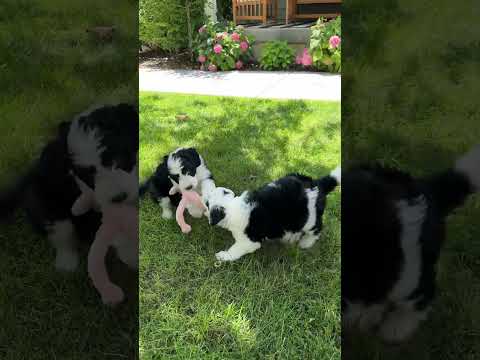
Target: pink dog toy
189, 198
119, 229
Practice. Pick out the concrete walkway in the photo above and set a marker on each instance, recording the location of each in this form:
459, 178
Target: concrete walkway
255, 84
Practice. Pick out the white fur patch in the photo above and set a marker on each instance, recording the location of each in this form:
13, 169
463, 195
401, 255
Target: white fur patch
62, 236
312, 195
291, 237
469, 165
411, 218
401, 323
362, 316
174, 165
337, 174
84, 145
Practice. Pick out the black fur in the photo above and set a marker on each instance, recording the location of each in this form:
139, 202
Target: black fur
372, 256
159, 184
283, 207
217, 215
48, 191
190, 161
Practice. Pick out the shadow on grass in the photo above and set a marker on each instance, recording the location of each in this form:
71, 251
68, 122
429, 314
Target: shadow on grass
189, 306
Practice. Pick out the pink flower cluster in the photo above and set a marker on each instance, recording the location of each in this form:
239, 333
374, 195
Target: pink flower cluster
334, 41
217, 48
244, 46
304, 59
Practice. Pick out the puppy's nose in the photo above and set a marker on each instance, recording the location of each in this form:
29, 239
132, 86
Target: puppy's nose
190, 187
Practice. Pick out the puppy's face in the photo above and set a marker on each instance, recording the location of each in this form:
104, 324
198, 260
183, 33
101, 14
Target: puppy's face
217, 205
182, 167
103, 152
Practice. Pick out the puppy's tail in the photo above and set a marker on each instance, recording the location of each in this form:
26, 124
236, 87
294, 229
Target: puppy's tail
330, 182
12, 197
451, 188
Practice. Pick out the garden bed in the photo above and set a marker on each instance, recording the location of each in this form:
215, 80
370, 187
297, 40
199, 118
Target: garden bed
155, 59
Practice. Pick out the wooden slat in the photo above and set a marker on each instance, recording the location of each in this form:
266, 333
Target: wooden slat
254, 9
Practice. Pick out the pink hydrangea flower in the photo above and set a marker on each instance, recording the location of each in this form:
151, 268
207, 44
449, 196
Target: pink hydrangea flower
306, 58
334, 41
238, 65
217, 49
244, 46
202, 29
235, 37
212, 67
202, 59
219, 36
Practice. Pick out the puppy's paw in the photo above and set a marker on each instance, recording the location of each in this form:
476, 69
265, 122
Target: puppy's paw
113, 295
167, 214
400, 325
307, 242
224, 256
66, 260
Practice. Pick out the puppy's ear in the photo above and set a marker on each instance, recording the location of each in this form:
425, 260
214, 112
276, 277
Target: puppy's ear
217, 214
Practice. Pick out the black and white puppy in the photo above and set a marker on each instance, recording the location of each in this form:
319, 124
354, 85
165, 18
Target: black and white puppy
98, 146
289, 209
184, 169
393, 227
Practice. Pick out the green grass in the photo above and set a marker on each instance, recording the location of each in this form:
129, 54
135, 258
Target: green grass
410, 99
50, 70
278, 303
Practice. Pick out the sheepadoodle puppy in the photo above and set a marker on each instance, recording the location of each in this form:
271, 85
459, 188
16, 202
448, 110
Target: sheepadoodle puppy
185, 169
98, 146
393, 227
289, 209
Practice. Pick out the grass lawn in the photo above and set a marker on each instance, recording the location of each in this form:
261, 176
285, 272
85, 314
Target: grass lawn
50, 70
416, 107
278, 303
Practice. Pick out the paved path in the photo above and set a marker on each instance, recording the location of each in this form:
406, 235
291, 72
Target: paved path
255, 84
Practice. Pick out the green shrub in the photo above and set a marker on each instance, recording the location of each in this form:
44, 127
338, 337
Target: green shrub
169, 24
325, 45
276, 55
220, 47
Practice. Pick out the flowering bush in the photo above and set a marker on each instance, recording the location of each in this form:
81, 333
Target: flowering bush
223, 48
304, 58
276, 55
326, 44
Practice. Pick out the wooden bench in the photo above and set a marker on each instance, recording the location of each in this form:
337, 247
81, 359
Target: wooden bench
254, 10
293, 5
